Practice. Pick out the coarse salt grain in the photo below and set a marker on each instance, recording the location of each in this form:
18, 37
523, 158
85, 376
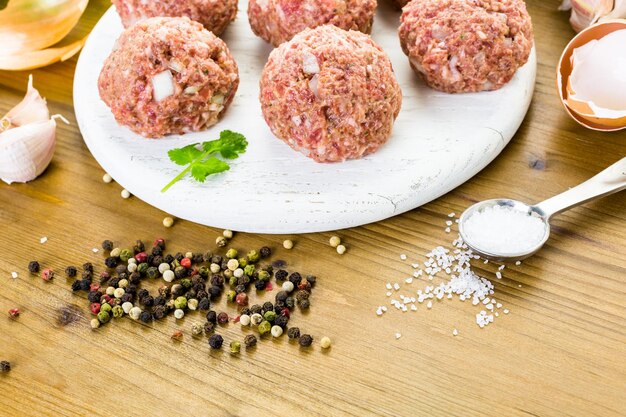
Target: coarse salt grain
408, 280
455, 332
499, 275
518, 263
388, 293
505, 311
504, 230
43, 240
501, 267
398, 335
14, 275
396, 286
403, 257
95, 250
452, 214
447, 230
449, 223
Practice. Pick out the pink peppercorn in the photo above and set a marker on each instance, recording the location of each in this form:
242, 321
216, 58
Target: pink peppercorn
241, 299
285, 312
94, 287
47, 274
141, 257
185, 263
95, 308
107, 299
237, 319
194, 271
159, 242
14, 313
269, 287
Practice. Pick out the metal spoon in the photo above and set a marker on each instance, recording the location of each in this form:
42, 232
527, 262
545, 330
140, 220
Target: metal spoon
609, 181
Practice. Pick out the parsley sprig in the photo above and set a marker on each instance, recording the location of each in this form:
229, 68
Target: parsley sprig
199, 158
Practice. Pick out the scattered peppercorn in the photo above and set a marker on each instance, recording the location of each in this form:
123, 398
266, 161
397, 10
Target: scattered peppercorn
71, 271
241, 299
159, 312
305, 340
47, 274
325, 342
211, 316
107, 245
222, 318
270, 316
94, 323
288, 244
103, 316
177, 335
265, 252
145, 316
235, 347
293, 333
168, 222
260, 285
341, 249
33, 267
281, 275
264, 327
216, 341
5, 366
295, 278
204, 304
281, 321
209, 327
221, 241
196, 329
14, 313
305, 304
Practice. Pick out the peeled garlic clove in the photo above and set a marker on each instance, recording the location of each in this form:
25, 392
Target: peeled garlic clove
596, 88
26, 151
31, 109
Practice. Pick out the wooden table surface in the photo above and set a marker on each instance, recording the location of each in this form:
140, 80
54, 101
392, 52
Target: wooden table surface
560, 351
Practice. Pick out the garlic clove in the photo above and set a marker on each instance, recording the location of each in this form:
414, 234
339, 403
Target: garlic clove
26, 151
31, 109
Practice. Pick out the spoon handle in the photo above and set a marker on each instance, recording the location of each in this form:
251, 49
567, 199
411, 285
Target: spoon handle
609, 181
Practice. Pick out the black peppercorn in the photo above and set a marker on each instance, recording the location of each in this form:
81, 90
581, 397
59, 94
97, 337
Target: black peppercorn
250, 341
301, 295
156, 261
222, 318
240, 289
94, 296
5, 366
290, 302
305, 304
131, 289
201, 294
256, 309
33, 267
279, 306
86, 275
204, 304
110, 262
70, 271
179, 256
139, 246
88, 266
244, 280
281, 275
145, 316
85, 284
268, 306
148, 301
156, 251
215, 341
159, 312
245, 311
168, 259
293, 333
209, 327
305, 340
312, 279
265, 252
127, 297
295, 278
197, 258
177, 290
164, 290
281, 321
260, 285
107, 245
76, 286
121, 269
207, 256
124, 275
211, 316
159, 300
281, 296
217, 279
224, 264
216, 259
114, 282
196, 279
142, 293
215, 291
134, 278
180, 272
190, 294
150, 259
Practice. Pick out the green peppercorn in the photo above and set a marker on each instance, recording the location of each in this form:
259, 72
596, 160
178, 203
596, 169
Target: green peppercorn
253, 256
235, 346
186, 283
230, 296
142, 268
152, 272
264, 275
118, 312
249, 270
203, 271
125, 255
231, 253
106, 307
232, 281
103, 317
242, 262
180, 302
270, 316
264, 327
250, 341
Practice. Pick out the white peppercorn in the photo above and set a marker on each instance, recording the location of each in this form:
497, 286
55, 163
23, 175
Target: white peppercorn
244, 319
276, 331
325, 342
115, 252
95, 323
125, 193
168, 275
127, 306
119, 292
215, 268
288, 286
179, 313
168, 222
288, 244
334, 241
238, 273
232, 264
256, 319
341, 249
192, 304
110, 291
123, 283
107, 178
132, 267
164, 267
134, 313
228, 234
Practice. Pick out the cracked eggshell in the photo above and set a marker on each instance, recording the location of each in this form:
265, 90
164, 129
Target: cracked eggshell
586, 112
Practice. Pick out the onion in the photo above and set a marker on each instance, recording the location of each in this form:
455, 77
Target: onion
309, 63
162, 86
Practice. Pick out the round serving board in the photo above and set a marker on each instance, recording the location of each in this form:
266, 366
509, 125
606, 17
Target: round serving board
439, 141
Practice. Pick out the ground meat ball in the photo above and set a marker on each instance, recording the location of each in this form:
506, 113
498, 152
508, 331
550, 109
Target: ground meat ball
277, 21
215, 15
466, 45
168, 75
330, 94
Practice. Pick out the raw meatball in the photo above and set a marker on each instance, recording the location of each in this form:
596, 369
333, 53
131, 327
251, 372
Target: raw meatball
466, 45
330, 94
168, 75
277, 21
215, 15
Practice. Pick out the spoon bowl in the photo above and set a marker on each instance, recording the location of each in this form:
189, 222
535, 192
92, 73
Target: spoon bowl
504, 256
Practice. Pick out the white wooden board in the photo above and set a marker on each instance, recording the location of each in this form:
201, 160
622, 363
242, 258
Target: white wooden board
439, 142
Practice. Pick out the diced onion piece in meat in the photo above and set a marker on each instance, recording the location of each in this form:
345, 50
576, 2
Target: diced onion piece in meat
193, 89
218, 99
163, 86
309, 63
313, 85
176, 65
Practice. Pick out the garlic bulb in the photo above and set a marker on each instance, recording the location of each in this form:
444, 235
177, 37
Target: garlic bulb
587, 12
27, 138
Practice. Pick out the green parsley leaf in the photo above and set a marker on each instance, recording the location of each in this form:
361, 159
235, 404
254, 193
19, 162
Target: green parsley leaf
201, 163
